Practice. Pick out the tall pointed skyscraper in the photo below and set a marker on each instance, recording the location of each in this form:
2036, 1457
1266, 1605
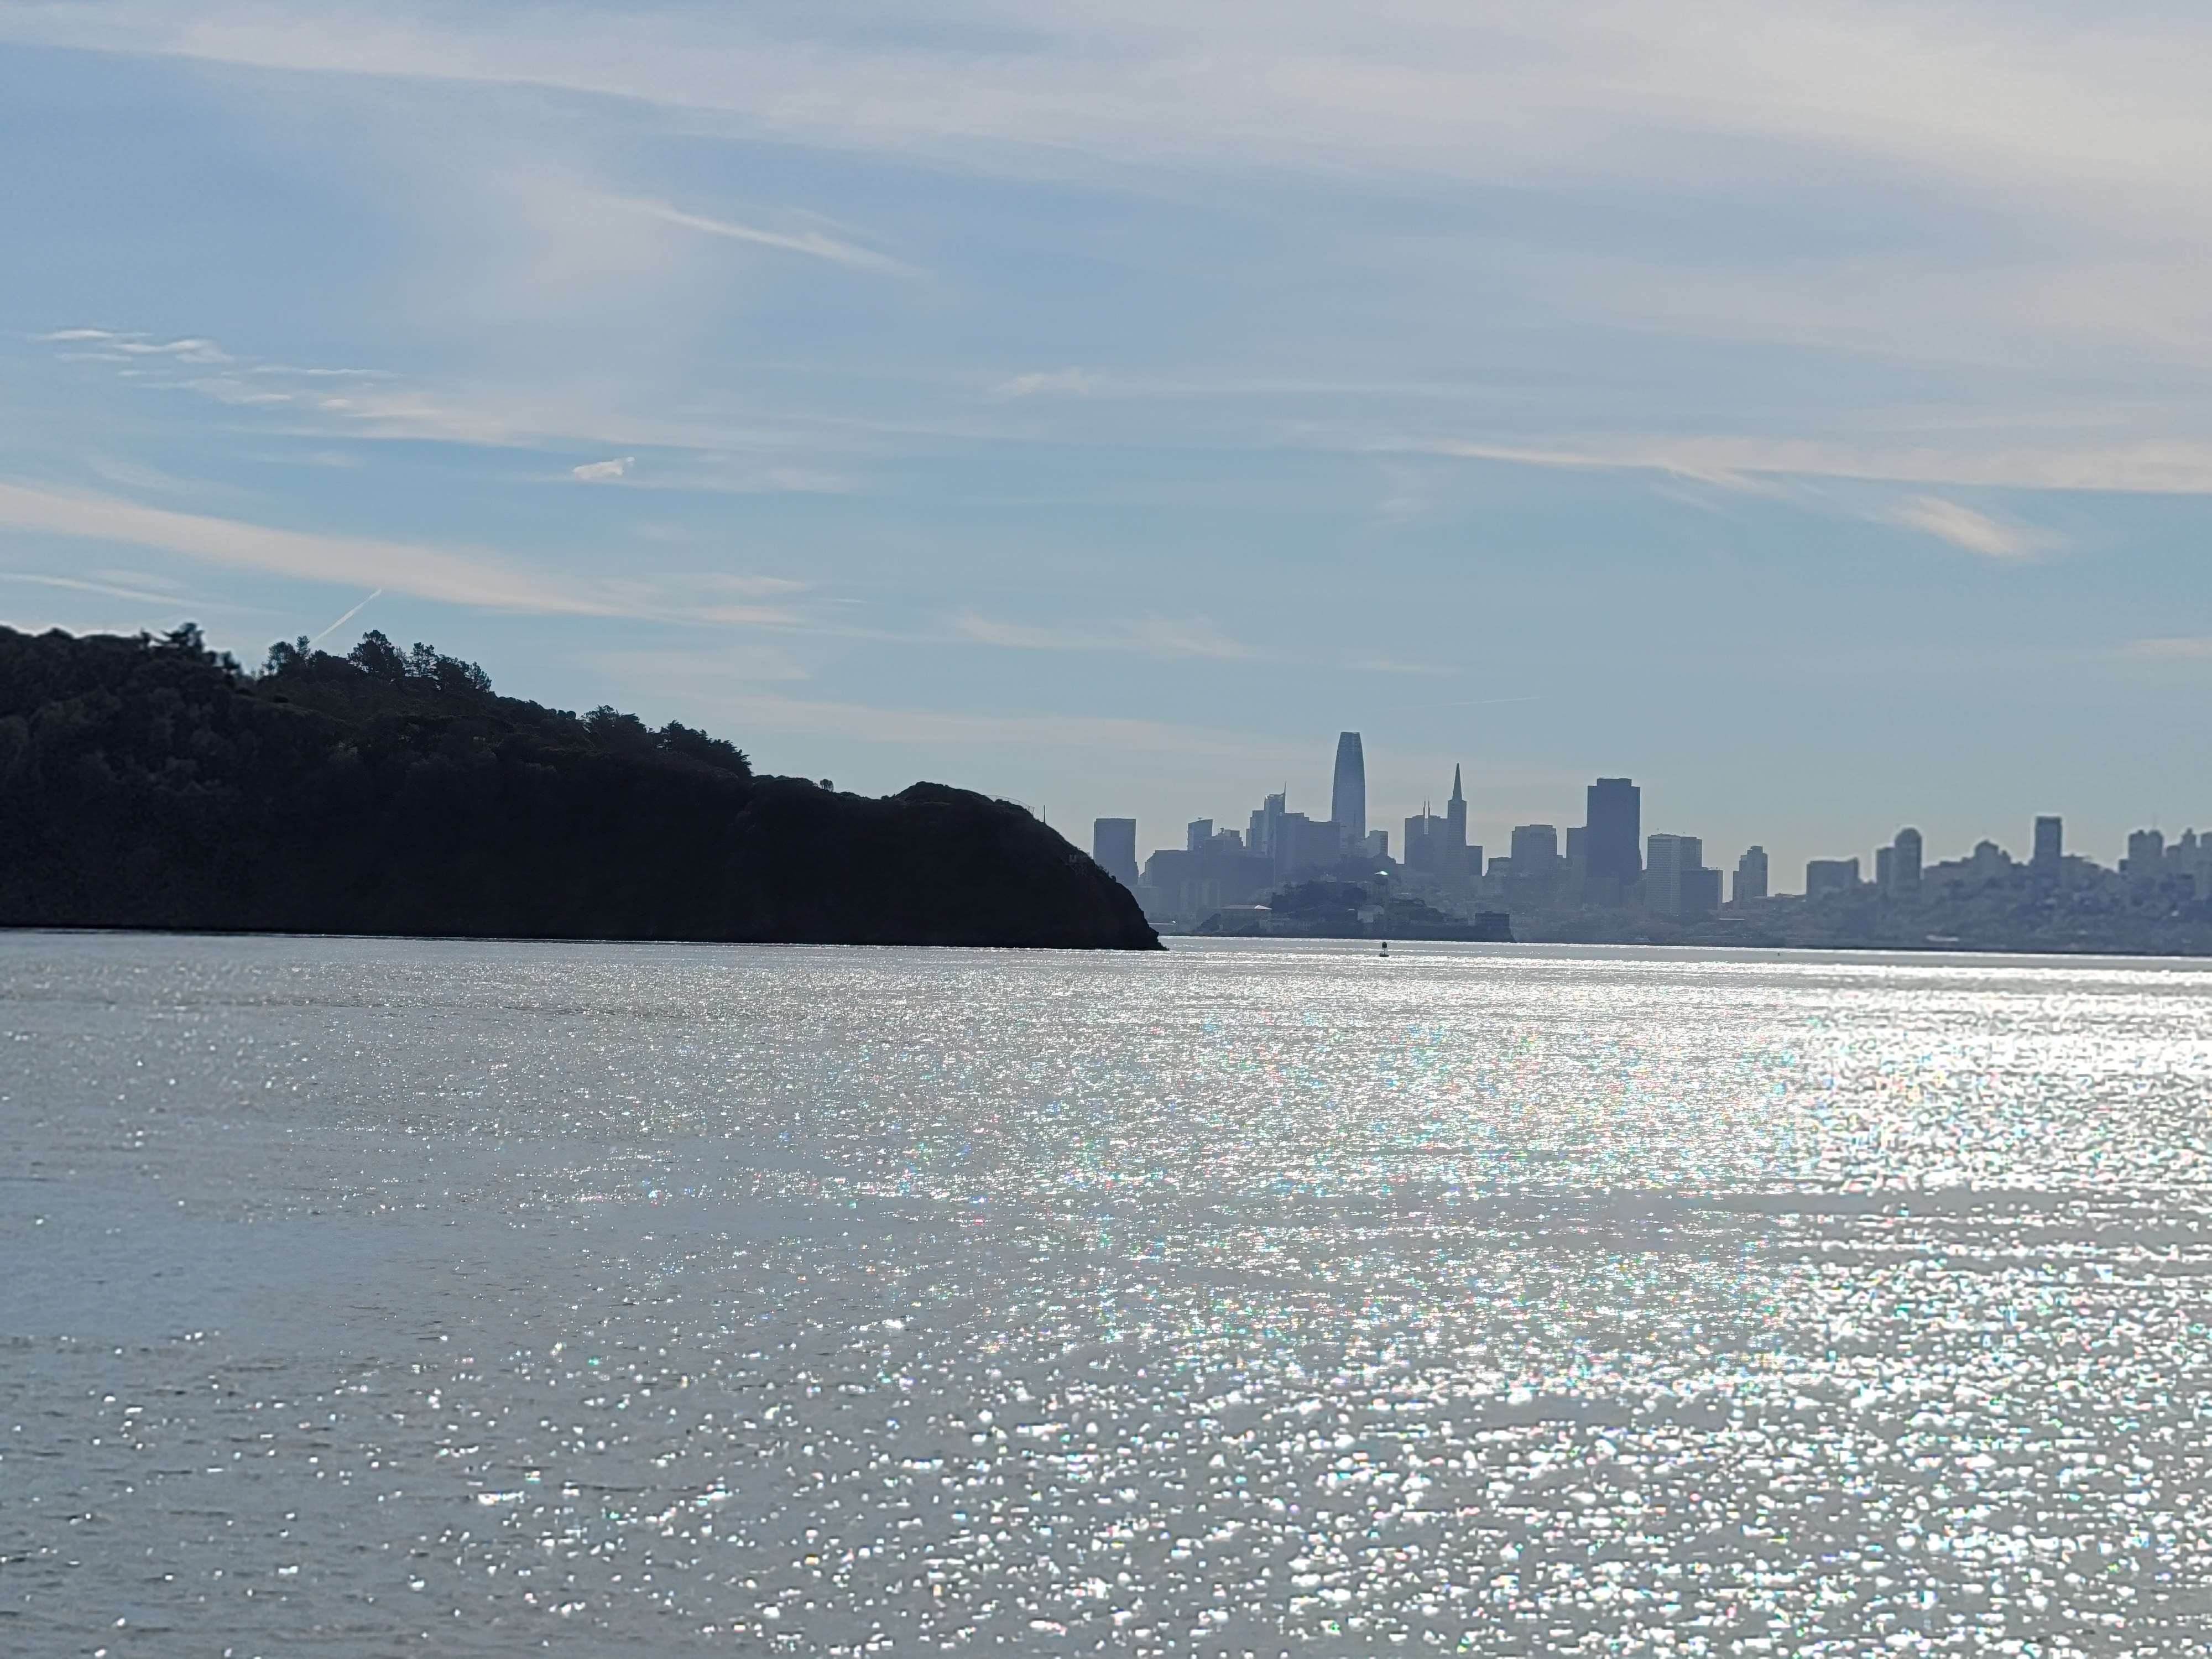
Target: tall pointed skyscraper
1454, 860
1347, 800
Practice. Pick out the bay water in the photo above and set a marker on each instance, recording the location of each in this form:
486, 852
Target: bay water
376, 1297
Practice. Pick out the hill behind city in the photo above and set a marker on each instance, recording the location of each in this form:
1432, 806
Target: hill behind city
152, 783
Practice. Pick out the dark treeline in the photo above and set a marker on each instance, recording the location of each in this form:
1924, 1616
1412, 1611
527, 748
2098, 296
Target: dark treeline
151, 782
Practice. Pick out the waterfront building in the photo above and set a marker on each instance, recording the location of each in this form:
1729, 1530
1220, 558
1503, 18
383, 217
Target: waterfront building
1613, 820
1750, 876
1897, 866
1699, 894
2191, 856
1183, 885
2049, 852
2146, 858
1676, 882
1114, 847
1910, 850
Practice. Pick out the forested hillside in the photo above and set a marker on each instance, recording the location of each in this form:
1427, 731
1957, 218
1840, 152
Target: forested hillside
151, 782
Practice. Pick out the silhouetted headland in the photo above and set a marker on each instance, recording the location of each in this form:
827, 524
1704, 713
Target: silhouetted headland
152, 783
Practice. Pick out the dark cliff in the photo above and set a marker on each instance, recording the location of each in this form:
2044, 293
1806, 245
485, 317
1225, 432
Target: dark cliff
151, 783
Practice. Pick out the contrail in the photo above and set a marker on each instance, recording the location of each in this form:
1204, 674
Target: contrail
343, 620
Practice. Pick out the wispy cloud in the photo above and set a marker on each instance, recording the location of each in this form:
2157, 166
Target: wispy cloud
2174, 466
1976, 533
463, 577
1068, 382
125, 347
229, 389
1151, 636
308, 374
815, 244
2088, 131
712, 597
458, 576
727, 455
111, 591
1495, 90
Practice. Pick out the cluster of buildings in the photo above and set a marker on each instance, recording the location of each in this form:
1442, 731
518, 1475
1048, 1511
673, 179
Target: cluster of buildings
1604, 871
1218, 867
1606, 861
2181, 871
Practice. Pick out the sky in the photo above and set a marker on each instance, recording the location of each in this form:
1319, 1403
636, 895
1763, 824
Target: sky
1801, 408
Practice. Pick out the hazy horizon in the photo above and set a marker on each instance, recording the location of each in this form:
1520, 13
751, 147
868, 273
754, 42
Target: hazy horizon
1800, 409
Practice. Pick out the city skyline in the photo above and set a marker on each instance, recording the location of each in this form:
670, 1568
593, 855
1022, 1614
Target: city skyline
1610, 880
1495, 834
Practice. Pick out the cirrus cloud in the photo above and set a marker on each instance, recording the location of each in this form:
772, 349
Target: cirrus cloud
469, 576
1973, 531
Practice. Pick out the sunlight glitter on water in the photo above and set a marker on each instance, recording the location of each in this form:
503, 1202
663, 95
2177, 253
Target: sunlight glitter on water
1250, 1300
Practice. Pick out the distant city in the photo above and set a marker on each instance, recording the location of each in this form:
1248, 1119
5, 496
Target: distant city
1606, 880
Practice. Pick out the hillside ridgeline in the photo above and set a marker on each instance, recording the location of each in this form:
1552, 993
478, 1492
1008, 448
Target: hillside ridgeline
152, 783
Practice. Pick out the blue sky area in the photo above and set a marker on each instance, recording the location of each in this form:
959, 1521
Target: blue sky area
1801, 408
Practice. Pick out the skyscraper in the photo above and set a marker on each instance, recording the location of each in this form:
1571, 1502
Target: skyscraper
1901, 878
1453, 860
1676, 882
1113, 846
1750, 876
2050, 846
1698, 892
1301, 844
1261, 837
1348, 798
1422, 835
1613, 820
